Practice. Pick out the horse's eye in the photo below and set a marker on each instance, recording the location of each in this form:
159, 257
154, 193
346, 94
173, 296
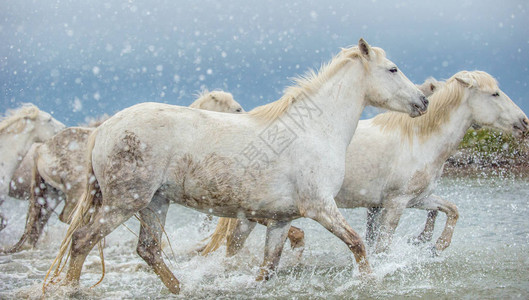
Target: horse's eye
393, 70
238, 110
496, 94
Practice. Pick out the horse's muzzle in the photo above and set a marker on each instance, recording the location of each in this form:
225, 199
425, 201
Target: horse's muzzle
422, 107
521, 127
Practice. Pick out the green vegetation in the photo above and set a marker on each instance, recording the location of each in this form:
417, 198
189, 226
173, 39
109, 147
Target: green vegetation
488, 148
494, 143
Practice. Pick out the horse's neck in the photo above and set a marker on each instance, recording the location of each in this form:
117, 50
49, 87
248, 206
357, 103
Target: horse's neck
445, 141
333, 110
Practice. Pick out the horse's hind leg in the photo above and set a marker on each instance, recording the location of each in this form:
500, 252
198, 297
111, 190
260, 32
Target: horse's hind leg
276, 235
427, 233
435, 202
71, 197
296, 236
104, 221
150, 240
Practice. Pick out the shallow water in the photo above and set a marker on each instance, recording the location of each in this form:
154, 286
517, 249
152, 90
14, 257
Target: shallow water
488, 257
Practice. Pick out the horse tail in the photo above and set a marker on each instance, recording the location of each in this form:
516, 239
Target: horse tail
80, 215
223, 231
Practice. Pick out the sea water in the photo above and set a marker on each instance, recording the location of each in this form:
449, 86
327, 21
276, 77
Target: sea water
488, 257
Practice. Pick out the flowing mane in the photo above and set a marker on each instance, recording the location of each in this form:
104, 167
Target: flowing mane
27, 110
311, 81
442, 103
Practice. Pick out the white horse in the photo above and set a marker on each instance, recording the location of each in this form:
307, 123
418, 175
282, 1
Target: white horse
54, 171
394, 162
228, 229
429, 86
19, 129
281, 161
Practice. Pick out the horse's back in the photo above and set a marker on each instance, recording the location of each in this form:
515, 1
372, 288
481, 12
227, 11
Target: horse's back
170, 127
62, 159
144, 139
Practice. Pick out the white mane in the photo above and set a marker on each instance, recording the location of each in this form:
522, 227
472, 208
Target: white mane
311, 81
27, 110
442, 103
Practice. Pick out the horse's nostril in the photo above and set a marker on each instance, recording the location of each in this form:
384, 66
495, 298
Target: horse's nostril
525, 121
424, 100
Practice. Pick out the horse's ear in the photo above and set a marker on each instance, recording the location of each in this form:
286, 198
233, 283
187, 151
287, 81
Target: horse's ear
365, 49
433, 87
464, 81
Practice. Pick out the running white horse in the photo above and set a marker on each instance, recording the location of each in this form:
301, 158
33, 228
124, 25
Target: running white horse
394, 162
228, 229
281, 161
55, 170
19, 129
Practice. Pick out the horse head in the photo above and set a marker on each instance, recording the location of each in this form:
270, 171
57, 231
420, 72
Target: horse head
217, 101
44, 126
430, 86
387, 86
490, 106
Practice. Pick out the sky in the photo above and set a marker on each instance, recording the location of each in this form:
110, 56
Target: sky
82, 59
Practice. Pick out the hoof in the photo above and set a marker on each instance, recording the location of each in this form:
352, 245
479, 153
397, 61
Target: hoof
264, 275
175, 289
367, 280
419, 240
433, 251
365, 269
416, 241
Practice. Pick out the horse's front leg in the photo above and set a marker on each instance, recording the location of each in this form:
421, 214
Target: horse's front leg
389, 219
296, 235
276, 235
150, 241
328, 215
42, 213
372, 225
40, 208
235, 240
429, 226
435, 202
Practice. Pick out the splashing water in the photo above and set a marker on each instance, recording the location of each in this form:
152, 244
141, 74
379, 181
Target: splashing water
487, 258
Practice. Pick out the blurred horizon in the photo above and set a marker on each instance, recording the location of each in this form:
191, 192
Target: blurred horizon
84, 59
